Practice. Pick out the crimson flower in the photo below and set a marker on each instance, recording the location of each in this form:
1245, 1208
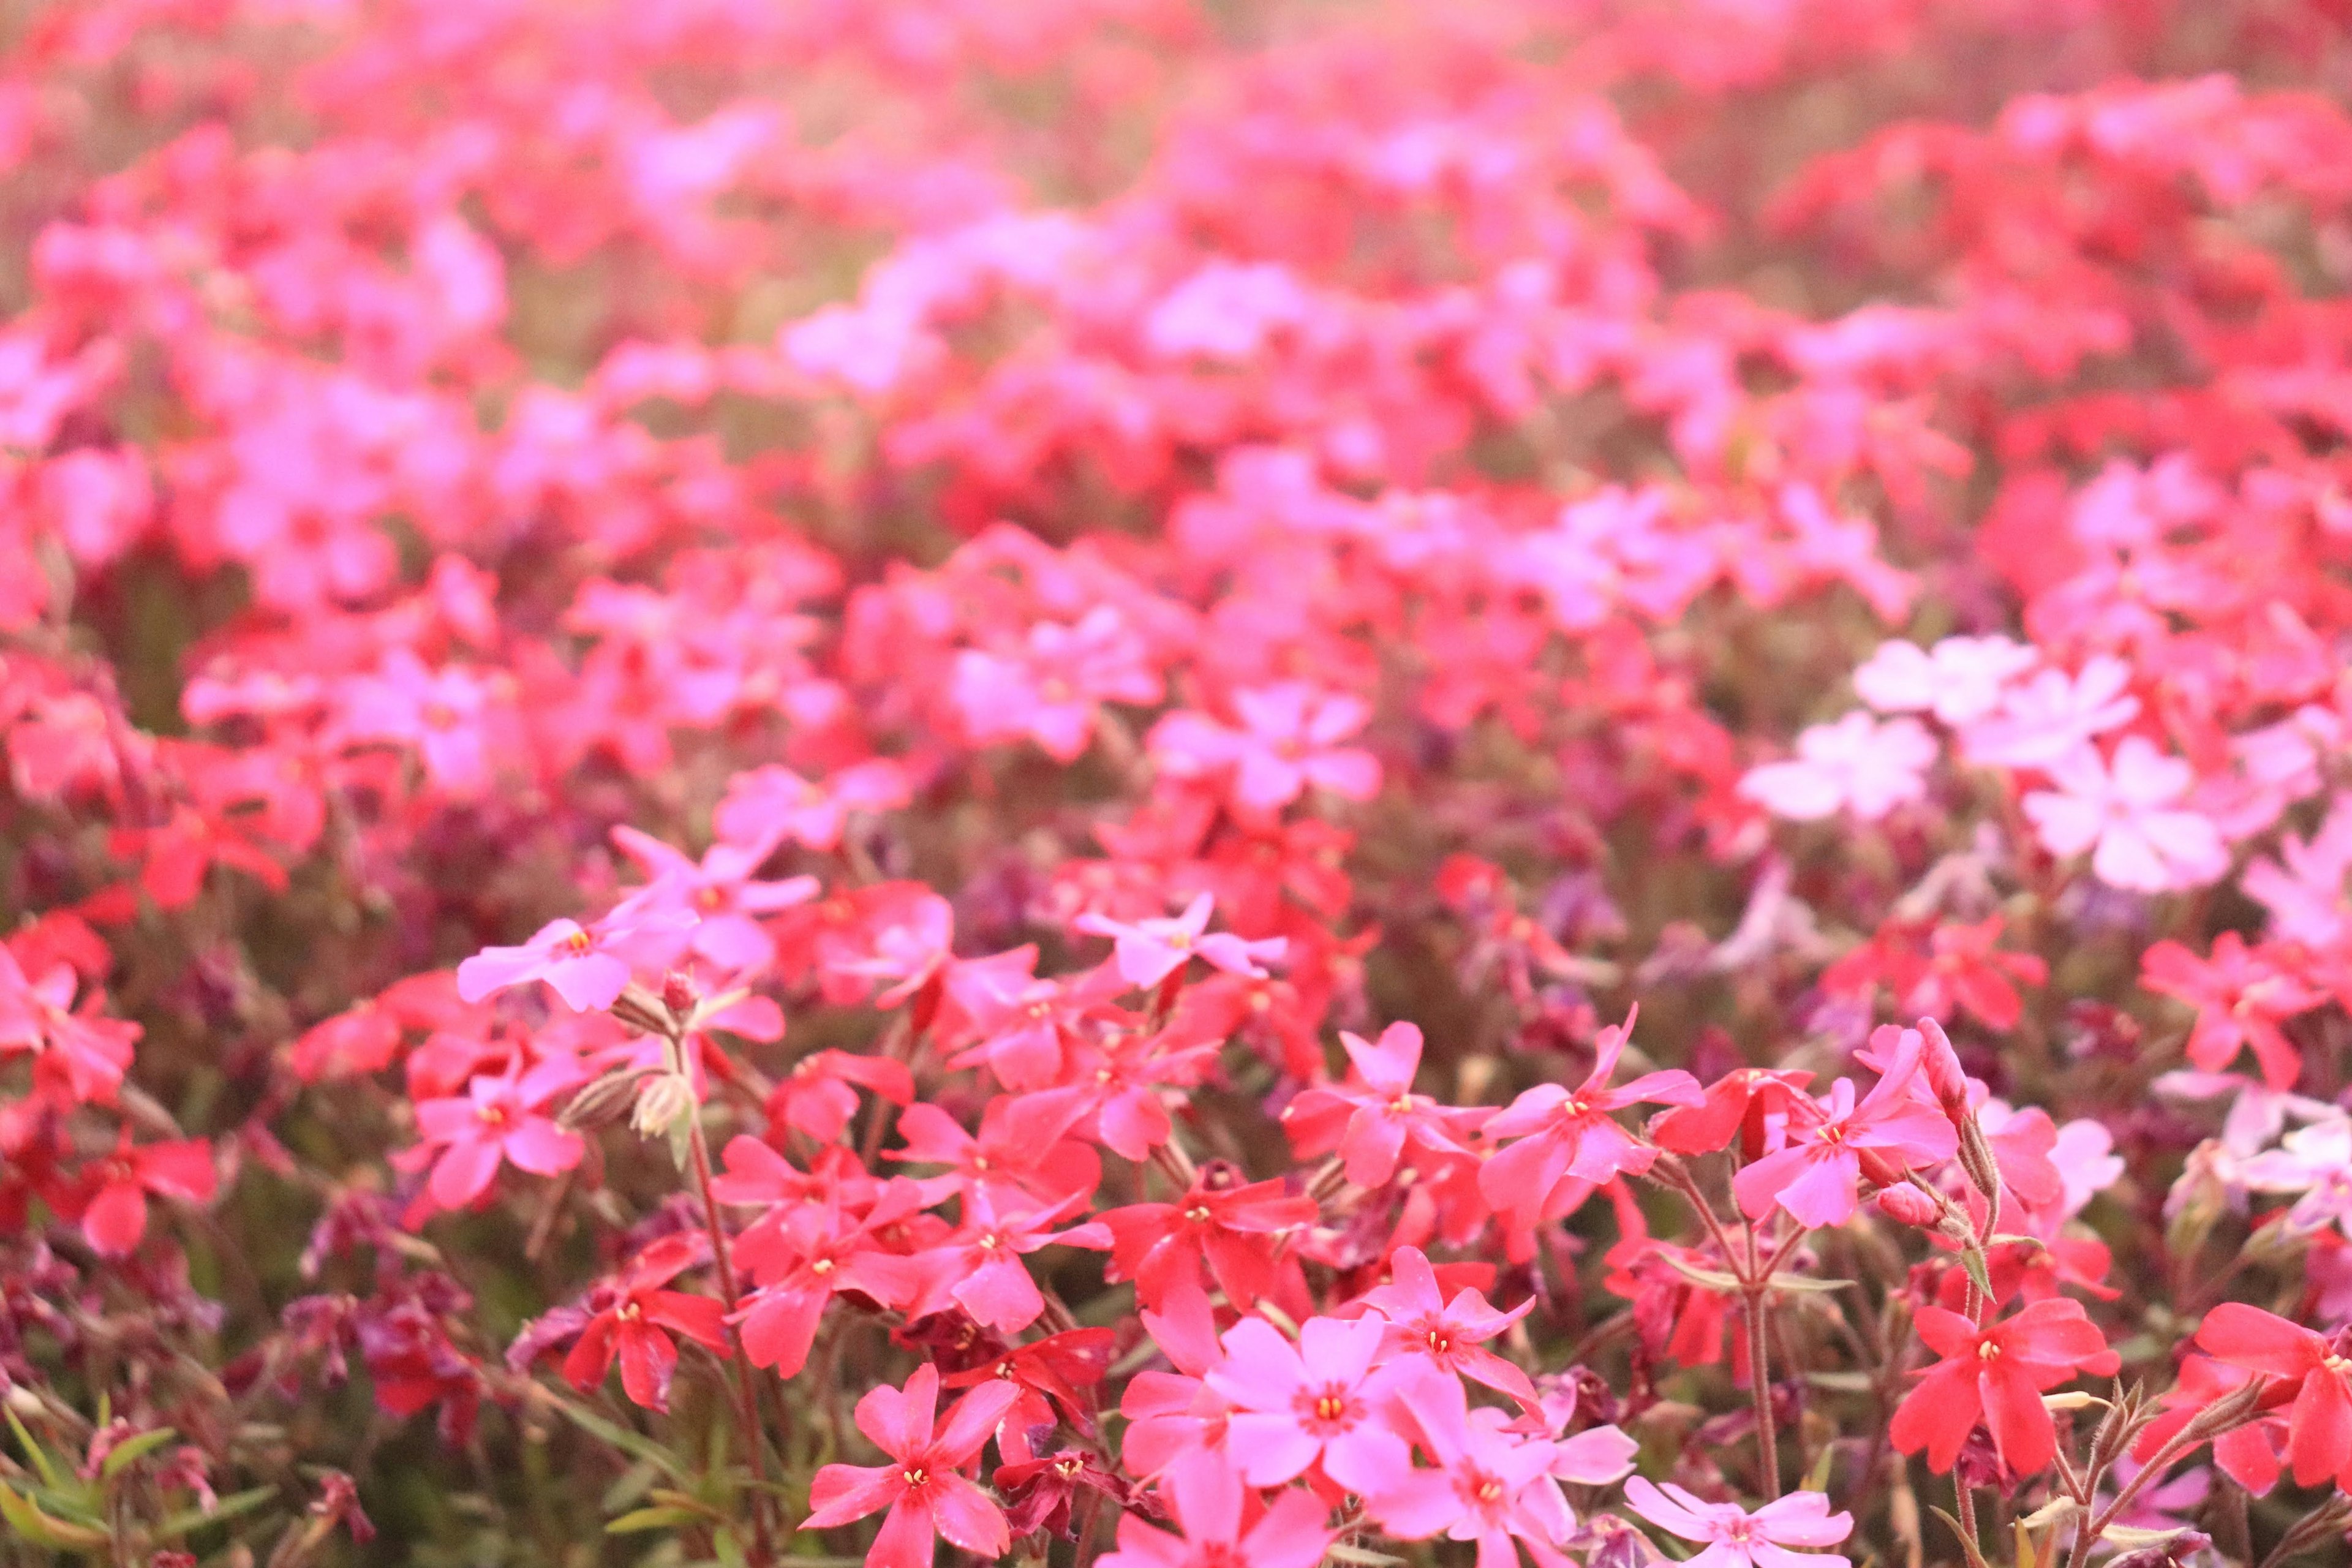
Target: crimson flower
1161, 1246
115, 1215
1998, 1372
77, 1051
627, 1317
921, 1485
2319, 1419
1565, 1134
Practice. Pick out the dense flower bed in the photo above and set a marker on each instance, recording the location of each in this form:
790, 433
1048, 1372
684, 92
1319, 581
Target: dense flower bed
1209, 785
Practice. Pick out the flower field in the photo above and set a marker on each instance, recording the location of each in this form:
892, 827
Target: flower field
1178, 784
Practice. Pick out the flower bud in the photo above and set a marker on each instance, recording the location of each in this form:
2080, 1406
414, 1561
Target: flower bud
1906, 1204
665, 1101
679, 993
1941, 1066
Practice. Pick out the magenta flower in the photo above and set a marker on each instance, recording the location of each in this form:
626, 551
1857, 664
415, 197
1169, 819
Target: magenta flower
1294, 1405
1738, 1539
719, 893
466, 1136
1572, 1135
1857, 765
775, 801
439, 713
1491, 1483
1289, 741
921, 1486
1208, 1497
2128, 817
1421, 1322
1370, 1121
1149, 951
1897, 1125
560, 952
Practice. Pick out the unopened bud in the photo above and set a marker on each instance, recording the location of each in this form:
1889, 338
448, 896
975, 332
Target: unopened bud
665, 1101
678, 993
1941, 1065
603, 1102
1906, 1204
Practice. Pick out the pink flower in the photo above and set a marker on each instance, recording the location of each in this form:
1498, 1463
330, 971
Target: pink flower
1897, 1125
1489, 1485
1857, 765
1051, 690
2242, 995
1564, 1135
779, 802
1209, 1499
466, 1136
1738, 1539
1960, 679
78, 1052
628, 1317
979, 1268
2127, 817
2052, 716
719, 893
921, 1486
582, 966
1294, 1405
1421, 1322
1371, 1121
1149, 951
440, 712
1289, 739
1998, 1372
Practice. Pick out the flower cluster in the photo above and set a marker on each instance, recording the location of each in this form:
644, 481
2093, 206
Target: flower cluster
1206, 786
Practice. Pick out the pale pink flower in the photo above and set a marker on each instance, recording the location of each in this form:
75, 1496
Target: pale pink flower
1149, 951
466, 1136
2052, 716
1289, 739
1738, 1539
1319, 1399
2127, 815
1857, 765
1960, 679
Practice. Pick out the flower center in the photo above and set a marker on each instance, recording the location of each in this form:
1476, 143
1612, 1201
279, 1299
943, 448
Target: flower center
577, 944
915, 1476
1328, 1409
1198, 1214
821, 1268
1988, 1350
490, 1115
1439, 1343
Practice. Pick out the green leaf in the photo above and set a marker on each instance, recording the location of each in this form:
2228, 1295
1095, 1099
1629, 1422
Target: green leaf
130, 1451
1968, 1543
634, 1482
228, 1508
1713, 1278
640, 1519
50, 1474
25, 1518
1974, 1262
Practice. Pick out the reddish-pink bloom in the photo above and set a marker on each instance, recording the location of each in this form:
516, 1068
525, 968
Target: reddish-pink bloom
1449, 1335
114, 1215
2318, 1372
627, 1317
1289, 741
1371, 1120
921, 1486
1998, 1373
1564, 1135
78, 1052
2242, 995
1295, 1405
1161, 1247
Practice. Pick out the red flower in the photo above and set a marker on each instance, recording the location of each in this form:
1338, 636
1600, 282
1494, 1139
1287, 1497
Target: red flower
627, 1317
1999, 1374
1161, 1246
115, 1215
2319, 1419
2242, 995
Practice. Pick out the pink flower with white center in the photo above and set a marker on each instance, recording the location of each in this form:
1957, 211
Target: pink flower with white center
1208, 1496
1289, 739
1370, 1121
1897, 1124
1490, 1484
1294, 1405
466, 1136
1449, 1335
1960, 680
1857, 765
1150, 950
2052, 715
719, 893
2127, 815
1738, 1539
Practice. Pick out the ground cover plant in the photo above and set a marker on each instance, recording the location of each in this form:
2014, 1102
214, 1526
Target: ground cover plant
1175, 784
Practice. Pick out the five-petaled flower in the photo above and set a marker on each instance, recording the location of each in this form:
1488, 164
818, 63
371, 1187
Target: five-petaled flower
1998, 1373
923, 1486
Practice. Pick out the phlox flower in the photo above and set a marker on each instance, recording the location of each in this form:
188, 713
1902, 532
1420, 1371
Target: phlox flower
114, 1212
1219, 1531
719, 894
2316, 1371
1489, 1484
579, 964
629, 1315
1858, 764
2053, 716
2129, 818
1563, 1135
1051, 690
1421, 1322
1149, 951
775, 802
1288, 740
2242, 995
1161, 1247
441, 713
922, 1485
1960, 679
1371, 1120
2314, 1162
466, 1136
1895, 1126
1736, 1538
78, 1052
1998, 1372
1317, 1400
